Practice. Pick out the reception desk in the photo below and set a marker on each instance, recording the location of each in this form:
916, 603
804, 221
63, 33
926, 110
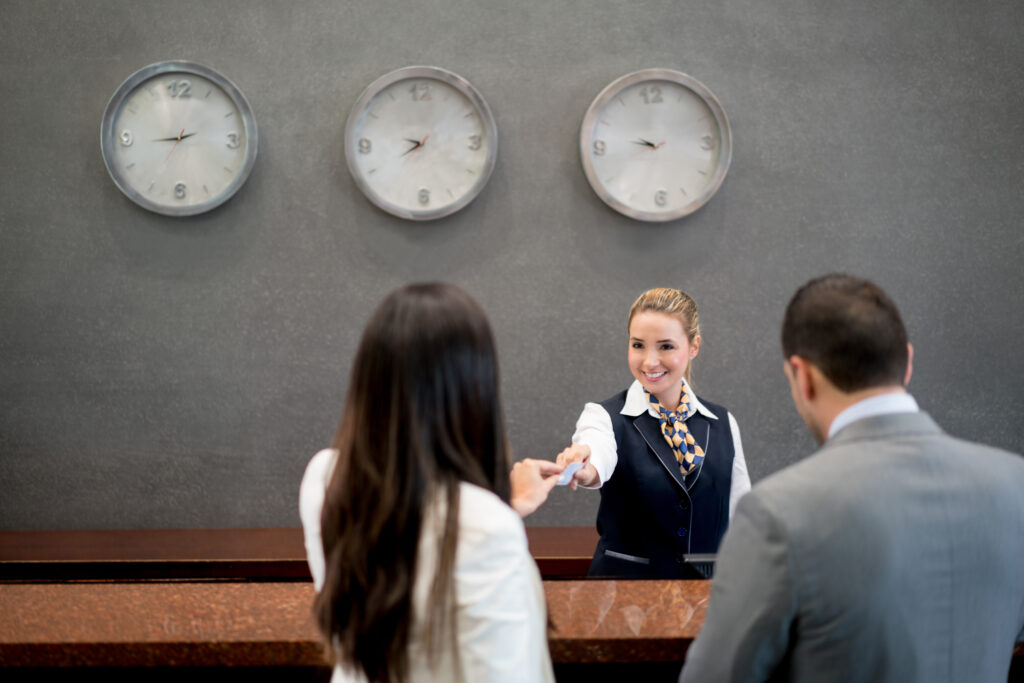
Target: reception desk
229, 623
241, 598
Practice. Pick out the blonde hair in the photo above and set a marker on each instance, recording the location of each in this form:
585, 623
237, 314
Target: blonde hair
673, 302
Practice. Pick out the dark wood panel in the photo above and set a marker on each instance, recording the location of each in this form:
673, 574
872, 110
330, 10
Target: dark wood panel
151, 544
226, 554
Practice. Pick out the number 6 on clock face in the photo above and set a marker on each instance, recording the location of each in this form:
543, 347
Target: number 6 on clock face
420, 142
655, 145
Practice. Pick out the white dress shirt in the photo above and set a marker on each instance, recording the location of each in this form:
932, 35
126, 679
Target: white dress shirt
501, 613
594, 428
883, 404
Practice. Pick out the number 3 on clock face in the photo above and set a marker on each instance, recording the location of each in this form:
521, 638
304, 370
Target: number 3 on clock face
655, 145
420, 142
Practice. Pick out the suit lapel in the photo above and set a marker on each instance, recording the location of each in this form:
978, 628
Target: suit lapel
698, 424
650, 430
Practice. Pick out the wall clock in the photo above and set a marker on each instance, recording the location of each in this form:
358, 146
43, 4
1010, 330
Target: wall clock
655, 145
421, 142
178, 138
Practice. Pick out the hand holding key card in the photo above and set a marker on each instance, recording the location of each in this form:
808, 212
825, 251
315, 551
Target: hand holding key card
575, 459
567, 474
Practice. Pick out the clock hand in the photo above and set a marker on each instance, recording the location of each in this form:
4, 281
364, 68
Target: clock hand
174, 139
647, 143
416, 145
175, 146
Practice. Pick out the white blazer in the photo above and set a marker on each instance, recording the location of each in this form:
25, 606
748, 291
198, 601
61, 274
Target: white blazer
501, 614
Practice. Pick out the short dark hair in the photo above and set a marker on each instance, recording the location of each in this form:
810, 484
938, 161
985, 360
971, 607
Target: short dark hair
850, 329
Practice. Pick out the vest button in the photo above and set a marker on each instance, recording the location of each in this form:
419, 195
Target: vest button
680, 532
684, 505
680, 559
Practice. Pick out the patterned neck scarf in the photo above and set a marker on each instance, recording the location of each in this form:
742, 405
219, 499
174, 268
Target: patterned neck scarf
673, 426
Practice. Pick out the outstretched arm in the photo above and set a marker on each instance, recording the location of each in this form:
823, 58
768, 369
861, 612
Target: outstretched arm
593, 443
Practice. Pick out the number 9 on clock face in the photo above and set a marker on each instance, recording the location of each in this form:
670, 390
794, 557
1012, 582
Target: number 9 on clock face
420, 142
655, 145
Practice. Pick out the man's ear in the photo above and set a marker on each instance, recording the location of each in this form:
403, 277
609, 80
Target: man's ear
802, 377
910, 363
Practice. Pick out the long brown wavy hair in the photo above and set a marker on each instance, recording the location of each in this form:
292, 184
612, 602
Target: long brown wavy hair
423, 414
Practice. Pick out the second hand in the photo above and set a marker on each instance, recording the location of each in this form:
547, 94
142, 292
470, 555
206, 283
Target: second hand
181, 136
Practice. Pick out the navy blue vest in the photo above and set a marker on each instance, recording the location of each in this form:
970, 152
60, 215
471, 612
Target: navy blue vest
650, 514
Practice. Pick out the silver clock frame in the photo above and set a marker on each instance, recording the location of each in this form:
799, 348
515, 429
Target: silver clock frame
608, 94
108, 134
411, 73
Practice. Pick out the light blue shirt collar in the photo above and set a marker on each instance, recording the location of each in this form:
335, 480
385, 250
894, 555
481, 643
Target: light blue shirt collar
883, 404
636, 403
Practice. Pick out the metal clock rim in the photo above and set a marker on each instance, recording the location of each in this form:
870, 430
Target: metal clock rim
450, 78
120, 96
626, 81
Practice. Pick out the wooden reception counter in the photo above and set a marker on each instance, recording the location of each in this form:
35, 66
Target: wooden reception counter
220, 623
244, 554
241, 598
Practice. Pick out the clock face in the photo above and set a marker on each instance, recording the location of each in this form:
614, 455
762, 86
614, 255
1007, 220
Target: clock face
655, 145
178, 138
421, 142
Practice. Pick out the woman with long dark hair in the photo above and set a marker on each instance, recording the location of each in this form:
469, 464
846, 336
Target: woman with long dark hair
421, 566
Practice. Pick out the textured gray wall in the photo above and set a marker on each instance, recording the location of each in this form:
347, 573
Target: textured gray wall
159, 372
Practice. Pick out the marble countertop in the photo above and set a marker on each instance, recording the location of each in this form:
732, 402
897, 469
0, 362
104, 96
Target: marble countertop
220, 623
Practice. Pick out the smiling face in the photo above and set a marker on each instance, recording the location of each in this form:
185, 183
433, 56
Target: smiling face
659, 354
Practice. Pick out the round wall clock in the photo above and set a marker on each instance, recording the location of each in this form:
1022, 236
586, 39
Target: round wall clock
655, 145
421, 142
178, 138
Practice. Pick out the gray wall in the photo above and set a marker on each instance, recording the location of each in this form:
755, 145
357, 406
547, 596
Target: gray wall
159, 372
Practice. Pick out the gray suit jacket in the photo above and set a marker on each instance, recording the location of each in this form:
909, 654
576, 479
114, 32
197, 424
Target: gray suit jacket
895, 553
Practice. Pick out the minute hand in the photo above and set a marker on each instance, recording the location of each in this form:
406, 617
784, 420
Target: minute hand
174, 139
647, 143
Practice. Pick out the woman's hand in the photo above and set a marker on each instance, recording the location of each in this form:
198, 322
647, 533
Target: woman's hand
587, 475
532, 481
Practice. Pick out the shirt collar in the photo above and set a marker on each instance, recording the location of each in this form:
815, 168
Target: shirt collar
637, 403
883, 404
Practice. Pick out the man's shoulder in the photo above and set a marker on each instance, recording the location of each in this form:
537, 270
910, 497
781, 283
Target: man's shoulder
821, 481
915, 433
806, 478
863, 459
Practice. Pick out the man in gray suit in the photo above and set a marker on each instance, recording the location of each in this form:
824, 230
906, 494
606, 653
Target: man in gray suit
894, 553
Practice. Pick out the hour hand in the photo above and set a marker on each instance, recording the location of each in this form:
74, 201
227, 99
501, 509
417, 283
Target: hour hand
645, 143
176, 138
416, 144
